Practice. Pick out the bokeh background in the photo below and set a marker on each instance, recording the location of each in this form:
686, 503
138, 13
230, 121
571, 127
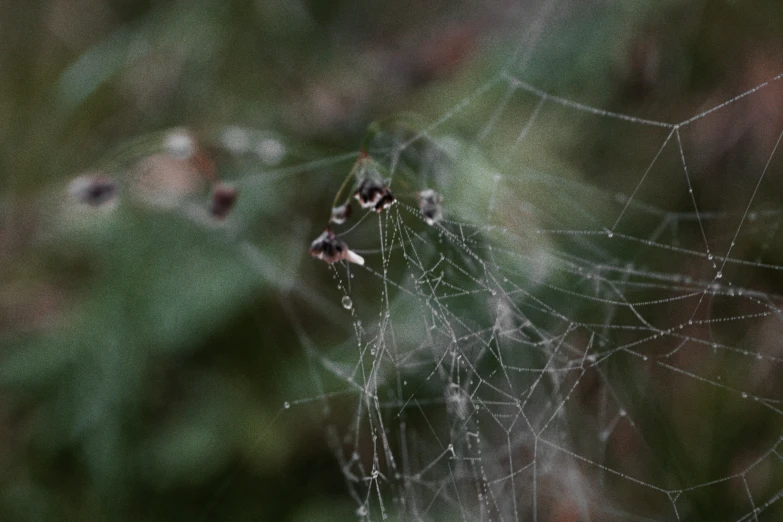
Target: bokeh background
147, 354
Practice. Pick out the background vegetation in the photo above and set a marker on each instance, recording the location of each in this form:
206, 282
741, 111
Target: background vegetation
146, 355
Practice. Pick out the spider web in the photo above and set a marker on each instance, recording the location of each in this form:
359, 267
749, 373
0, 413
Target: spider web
557, 347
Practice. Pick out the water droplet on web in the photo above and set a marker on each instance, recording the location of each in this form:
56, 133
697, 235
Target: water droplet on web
287, 405
361, 511
719, 275
744, 395
347, 303
710, 257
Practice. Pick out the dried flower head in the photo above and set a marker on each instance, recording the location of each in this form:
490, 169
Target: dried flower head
374, 194
341, 214
223, 199
331, 249
92, 190
385, 202
429, 205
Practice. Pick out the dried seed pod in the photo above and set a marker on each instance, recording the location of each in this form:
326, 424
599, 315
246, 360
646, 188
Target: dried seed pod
341, 214
429, 205
92, 190
331, 249
223, 199
374, 194
385, 202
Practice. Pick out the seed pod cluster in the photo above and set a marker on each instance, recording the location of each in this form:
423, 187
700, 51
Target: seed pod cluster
371, 193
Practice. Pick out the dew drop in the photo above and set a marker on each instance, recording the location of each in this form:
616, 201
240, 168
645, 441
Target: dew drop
719, 275
347, 303
710, 257
287, 405
744, 395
